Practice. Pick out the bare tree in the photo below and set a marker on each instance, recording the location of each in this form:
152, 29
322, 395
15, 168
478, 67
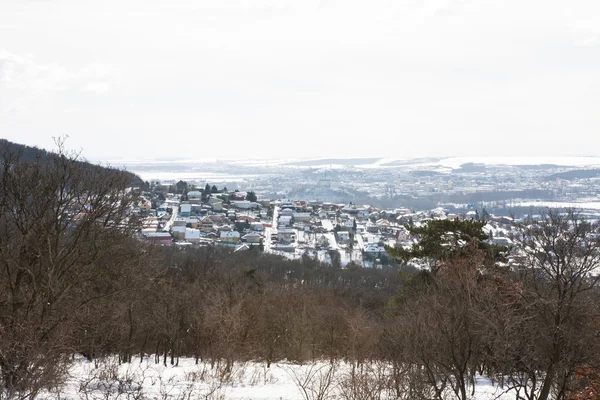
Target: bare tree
560, 257
65, 226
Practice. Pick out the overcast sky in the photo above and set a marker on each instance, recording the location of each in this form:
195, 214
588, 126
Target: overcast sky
302, 78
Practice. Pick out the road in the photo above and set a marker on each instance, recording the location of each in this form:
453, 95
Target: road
327, 225
272, 230
361, 243
172, 219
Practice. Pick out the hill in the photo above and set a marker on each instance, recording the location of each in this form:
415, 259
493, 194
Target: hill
29, 153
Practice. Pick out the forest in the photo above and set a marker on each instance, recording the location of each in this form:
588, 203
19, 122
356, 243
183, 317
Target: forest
75, 279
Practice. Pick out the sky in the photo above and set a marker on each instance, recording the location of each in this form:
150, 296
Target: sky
228, 79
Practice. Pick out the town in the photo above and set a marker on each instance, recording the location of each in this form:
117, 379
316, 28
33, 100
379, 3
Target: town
341, 234
345, 212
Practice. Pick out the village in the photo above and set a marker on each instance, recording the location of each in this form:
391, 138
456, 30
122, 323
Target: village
341, 234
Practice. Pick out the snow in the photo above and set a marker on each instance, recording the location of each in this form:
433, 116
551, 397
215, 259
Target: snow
252, 380
456, 162
595, 205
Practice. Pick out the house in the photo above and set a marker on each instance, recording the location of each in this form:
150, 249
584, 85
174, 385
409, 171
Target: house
383, 223
343, 236
323, 241
194, 195
241, 204
217, 217
179, 232
257, 226
303, 217
230, 237
192, 235
252, 237
348, 224
264, 202
145, 205
192, 222
285, 203
198, 209
185, 210
403, 234
246, 218
216, 204
285, 220
287, 212
286, 235
179, 222
374, 248
158, 237
362, 214
241, 247
206, 224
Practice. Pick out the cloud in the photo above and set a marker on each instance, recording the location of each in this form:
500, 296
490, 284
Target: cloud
22, 72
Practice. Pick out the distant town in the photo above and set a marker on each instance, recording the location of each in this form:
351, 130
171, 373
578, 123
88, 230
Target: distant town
344, 212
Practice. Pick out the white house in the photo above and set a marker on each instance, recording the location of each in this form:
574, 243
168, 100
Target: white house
216, 204
285, 220
286, 235
230, 237
348, 224
288, 212
242, 204
185, 210
252, 237
304, 217
343, 236
192, 235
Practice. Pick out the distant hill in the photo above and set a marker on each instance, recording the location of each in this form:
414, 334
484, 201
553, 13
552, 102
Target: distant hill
576, 174
336, 161
29, 153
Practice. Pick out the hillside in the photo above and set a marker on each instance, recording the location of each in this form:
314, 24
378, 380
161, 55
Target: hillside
29, 153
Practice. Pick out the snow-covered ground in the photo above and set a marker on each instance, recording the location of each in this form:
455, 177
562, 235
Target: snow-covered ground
590, 205
283, 381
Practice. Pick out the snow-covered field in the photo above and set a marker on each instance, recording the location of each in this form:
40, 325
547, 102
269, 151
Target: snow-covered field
589, 205
147, 380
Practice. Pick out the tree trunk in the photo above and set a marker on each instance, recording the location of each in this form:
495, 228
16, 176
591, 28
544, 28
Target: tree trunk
545, 392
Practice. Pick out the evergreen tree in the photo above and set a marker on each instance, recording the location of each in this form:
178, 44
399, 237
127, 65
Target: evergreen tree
251, 196
443, 240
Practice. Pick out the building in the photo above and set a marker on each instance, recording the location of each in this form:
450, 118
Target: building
286, 235
252, 237
216, 204
230, 237
303, 217
185, 210
158, 238
242, 204
194, 195
285, 220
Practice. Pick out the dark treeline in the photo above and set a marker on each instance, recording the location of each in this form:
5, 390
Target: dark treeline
75, 279
35, 154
